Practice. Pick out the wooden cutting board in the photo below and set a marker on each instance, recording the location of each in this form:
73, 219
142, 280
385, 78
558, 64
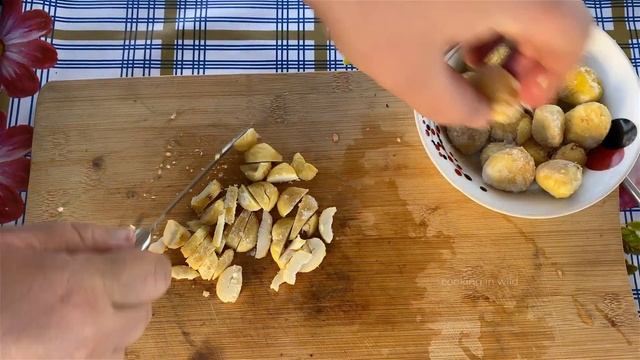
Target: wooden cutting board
416, 271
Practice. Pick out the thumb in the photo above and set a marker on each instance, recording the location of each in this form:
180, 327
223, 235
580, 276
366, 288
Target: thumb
445, 96
68, 236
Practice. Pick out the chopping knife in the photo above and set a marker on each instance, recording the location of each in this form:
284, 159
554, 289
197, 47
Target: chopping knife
143, 235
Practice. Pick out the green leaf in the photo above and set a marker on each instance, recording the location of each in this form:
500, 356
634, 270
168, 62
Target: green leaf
634, 225
630, 240
631, 269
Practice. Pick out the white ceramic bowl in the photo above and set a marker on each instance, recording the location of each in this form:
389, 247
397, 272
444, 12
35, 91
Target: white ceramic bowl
621, 96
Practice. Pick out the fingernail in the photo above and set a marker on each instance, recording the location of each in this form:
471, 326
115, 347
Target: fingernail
543, 81
126, 235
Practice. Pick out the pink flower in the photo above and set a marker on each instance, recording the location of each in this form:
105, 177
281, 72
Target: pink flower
21, 50
15, 143
627, 200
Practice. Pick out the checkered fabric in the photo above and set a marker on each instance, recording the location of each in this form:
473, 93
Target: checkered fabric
126, 38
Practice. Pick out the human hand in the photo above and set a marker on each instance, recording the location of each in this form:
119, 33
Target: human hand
75, 291
401, 45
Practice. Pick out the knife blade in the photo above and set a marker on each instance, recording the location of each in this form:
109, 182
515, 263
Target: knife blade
143, 235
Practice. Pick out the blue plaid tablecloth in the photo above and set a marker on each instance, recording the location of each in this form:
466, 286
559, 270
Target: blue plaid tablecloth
126, 38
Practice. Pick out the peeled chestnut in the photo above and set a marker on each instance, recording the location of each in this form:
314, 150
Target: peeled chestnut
560, 178
467, 140
547, 127
501, 89
491, 149
571, 152
587, 125
510, 170
582, 85
539, 153
517, 132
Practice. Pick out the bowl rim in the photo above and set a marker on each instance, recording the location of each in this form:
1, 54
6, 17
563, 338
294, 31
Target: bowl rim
595, 31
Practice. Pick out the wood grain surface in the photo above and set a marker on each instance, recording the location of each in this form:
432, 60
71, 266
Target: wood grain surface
416, 270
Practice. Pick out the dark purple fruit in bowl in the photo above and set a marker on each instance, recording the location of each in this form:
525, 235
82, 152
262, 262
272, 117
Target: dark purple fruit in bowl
621, 134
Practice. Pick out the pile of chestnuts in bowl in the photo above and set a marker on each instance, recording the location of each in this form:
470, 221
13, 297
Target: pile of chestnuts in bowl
547, 145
